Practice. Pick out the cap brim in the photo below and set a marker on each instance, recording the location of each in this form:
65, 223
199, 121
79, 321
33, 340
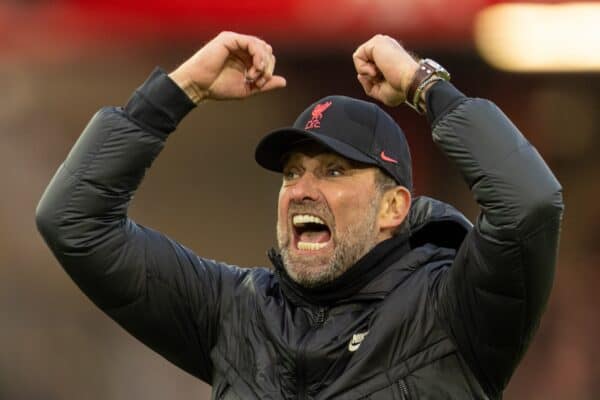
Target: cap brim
271, 150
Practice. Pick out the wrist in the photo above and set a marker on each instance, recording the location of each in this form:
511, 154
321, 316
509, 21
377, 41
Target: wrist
427, 73
194, 92
422, 95
158, 104
408, 78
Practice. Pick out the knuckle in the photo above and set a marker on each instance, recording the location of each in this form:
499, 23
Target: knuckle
385, 39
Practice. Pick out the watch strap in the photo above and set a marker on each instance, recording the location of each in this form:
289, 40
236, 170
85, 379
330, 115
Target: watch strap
419, 101
423, 72
427, 72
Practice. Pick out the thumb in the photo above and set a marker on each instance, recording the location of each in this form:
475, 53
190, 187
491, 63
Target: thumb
366, 82
276, 82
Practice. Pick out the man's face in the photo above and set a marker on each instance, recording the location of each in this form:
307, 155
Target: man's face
327, 215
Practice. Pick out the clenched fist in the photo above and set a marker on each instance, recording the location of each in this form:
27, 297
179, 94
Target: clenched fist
231, 66
385, 69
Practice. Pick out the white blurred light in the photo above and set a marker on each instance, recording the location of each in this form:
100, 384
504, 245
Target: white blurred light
540, 37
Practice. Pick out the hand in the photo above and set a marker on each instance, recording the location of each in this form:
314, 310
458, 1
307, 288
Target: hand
385, 69
231, 66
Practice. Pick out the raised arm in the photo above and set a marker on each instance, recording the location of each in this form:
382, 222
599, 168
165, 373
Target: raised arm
492, 298
155, 288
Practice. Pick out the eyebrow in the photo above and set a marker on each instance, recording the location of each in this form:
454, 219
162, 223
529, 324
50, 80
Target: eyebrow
335, 158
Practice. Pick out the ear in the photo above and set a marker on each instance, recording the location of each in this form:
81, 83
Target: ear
393, 210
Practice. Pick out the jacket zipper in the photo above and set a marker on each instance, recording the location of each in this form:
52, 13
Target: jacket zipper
403, 390
300, 367
321, 317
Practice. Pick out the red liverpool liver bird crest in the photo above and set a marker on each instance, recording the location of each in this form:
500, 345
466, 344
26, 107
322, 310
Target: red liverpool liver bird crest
317, 115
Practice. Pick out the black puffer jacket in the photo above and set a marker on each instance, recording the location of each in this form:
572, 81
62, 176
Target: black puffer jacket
446, 313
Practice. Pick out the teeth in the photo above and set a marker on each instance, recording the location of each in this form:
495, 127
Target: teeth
311, 246
307, 218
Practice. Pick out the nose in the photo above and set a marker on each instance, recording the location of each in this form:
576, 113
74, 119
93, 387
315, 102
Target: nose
305, 188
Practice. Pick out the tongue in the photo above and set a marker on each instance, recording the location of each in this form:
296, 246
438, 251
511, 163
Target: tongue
315, 236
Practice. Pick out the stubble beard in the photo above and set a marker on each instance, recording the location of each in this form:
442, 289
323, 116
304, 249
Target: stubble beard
349, 246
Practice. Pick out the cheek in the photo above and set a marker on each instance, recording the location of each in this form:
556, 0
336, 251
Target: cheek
282, 207
348, 207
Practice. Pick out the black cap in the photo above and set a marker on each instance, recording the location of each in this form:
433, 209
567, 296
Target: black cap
355, 129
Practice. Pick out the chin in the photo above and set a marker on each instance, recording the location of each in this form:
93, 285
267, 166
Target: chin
310, 276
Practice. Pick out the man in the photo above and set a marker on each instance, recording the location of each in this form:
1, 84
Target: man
374, 295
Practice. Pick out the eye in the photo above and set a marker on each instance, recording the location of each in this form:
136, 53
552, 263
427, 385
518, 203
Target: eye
334, 171
290, 174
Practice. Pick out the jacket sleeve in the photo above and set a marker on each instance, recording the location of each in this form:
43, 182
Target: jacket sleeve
493, 296
154, 287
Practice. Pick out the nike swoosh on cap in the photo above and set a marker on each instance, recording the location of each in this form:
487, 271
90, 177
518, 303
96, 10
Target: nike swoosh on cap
386, 158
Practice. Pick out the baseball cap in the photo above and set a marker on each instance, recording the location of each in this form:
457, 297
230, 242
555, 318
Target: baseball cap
353, 128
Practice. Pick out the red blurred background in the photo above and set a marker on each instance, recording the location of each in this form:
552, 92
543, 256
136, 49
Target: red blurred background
62, 60
312, 24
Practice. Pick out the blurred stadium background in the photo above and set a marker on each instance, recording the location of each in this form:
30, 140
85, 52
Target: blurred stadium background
62, 60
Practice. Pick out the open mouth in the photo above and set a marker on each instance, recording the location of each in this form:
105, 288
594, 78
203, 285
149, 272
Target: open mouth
310, 232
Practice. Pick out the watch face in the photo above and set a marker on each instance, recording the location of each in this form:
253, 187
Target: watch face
434, 64
439, 70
